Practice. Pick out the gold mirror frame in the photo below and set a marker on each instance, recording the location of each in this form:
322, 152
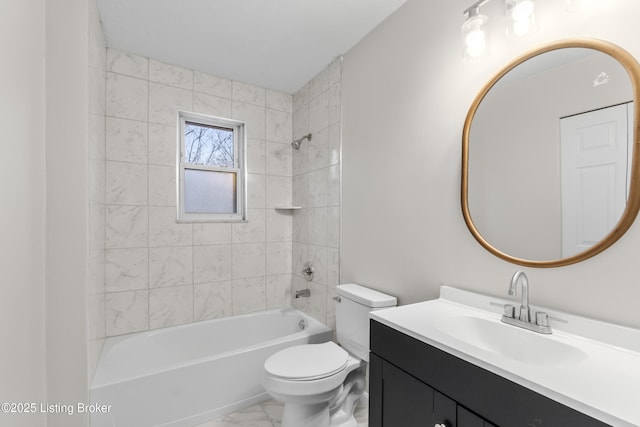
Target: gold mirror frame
632, 67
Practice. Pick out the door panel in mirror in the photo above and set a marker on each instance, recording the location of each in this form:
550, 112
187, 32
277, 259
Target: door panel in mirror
594, 169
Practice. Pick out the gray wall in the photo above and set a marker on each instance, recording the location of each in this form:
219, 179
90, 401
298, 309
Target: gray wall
22, 217
406, 92
47, 193
67, 206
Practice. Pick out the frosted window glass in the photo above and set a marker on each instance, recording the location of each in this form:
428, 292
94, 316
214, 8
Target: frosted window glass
209, 192
208, 145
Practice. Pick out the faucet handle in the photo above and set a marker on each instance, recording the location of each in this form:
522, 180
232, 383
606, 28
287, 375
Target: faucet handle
509, 311
542, 318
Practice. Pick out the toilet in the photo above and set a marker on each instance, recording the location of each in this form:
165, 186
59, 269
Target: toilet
320, 384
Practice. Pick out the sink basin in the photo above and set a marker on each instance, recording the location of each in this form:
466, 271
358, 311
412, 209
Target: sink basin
510, 341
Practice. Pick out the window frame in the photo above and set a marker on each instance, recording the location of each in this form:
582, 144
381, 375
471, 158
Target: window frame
240, 169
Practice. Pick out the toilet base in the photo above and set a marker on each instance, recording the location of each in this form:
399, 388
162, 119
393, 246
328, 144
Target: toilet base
342, 409
333, 409
308, 415
318, 415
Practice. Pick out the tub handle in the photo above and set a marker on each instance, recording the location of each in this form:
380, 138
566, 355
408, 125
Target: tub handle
307, 271
337, 299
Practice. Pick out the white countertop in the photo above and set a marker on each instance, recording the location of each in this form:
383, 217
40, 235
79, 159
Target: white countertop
604, 385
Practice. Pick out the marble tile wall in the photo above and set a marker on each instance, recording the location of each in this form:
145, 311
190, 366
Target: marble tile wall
160, 273
96, 167
316, 188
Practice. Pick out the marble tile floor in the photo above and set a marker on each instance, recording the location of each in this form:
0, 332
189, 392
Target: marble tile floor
268, 414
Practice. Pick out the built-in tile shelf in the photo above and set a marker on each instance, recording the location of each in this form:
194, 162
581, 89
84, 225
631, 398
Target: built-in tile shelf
287, 208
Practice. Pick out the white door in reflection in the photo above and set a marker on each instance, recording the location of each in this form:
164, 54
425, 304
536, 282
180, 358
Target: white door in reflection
594, 170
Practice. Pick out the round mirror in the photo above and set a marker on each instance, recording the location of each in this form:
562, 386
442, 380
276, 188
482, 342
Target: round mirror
550, 154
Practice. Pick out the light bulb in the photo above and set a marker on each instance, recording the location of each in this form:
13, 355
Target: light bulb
475, 43
474, 36
522, 10
520, 17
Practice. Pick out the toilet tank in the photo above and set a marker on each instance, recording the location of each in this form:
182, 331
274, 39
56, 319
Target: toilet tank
353, 304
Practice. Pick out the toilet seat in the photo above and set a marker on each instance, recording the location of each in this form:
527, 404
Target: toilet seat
309, 372
307, 362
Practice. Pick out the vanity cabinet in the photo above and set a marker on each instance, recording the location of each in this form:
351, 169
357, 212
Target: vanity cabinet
414, 384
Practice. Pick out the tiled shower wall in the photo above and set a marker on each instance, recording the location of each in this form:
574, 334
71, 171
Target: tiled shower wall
96, 188
161, 273
316, 189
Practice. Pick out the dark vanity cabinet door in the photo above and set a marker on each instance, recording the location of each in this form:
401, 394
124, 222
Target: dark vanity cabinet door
406, 401
403, 400
414, 384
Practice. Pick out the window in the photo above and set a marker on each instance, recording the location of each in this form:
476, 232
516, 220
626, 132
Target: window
211, 169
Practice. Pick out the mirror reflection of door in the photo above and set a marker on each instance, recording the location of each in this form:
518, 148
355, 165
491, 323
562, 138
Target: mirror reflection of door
594, 174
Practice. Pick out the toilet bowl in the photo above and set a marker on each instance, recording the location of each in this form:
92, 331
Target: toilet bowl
320, 384
309, 379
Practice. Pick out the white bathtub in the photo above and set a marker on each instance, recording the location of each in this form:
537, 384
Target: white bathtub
188, 374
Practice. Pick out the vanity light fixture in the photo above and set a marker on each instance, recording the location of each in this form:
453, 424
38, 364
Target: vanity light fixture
474, 33
521, 17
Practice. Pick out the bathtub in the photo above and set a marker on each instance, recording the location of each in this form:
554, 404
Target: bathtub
185, 375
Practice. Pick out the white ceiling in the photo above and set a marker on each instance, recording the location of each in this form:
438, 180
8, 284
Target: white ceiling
277, 44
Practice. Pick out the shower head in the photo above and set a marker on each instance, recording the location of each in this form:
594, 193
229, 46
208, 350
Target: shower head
297, 142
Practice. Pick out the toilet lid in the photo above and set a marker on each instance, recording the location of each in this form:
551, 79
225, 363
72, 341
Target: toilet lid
307, 362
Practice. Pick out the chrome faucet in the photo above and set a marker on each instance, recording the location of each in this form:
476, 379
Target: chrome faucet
540, 323
525, 311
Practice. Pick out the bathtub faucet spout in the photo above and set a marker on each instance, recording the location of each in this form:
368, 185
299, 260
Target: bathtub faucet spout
303, 293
